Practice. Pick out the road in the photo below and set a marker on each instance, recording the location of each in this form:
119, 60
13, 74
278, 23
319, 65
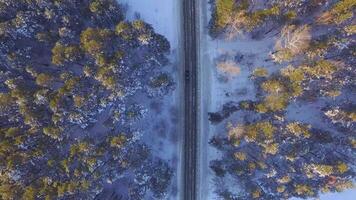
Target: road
190, 100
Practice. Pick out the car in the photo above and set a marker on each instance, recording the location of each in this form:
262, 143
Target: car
187, 75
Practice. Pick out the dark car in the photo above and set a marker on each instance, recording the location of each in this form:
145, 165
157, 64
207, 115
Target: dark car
187, 75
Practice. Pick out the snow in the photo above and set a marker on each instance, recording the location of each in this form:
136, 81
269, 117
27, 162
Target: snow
216, 90
162, 14
163, 123
345, 195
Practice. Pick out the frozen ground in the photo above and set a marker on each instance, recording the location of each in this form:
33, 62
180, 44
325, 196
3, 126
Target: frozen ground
162, 124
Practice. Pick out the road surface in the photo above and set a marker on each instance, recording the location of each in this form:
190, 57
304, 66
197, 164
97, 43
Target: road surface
190, 102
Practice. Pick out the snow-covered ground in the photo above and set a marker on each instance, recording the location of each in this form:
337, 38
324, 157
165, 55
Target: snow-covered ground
217, 89
163, 15
163, 124
345, 195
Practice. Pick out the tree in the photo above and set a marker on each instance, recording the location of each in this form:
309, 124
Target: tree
293, 40
124, 30
321, 68
29, 194
223, 12
160, 81
303, 190
231, 17
106, 76
118, 141
58, 57
340, 12
93, 40
52, 132
44, 108
5, 101
99, 6
298, 129
260, 72
62, 53
43, 79
273, 87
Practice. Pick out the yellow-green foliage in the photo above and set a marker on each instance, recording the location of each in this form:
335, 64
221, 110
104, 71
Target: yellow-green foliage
62, 53
350, 30
124, 30
298, 129
273, 86
240, 156
224, 12
118, 141
302, 189
235, 133
29, 194
323, 170
271, 148
321, 69
344, 185
52, 132
340, 12
281, 188
259, 131
284, 179
257, 17
276, 102
343, 10
98, 6
43, 79
93, 40
79, 148
139, 25
296, 77
68, 86
229, 12
318, 48
5, 100
273, 103
290, 15
260, 72
352, 116
105, 76
277, 97
283, 55
256, 194
342, 167
58, 54
293, 74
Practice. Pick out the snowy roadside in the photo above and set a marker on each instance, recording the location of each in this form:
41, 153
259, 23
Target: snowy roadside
163, 123
217, 89
345, 195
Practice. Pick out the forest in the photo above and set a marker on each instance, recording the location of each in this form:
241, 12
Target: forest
69, 72
93, 95
276, 153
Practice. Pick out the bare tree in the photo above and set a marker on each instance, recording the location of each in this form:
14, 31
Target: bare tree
293, 40
296, 39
